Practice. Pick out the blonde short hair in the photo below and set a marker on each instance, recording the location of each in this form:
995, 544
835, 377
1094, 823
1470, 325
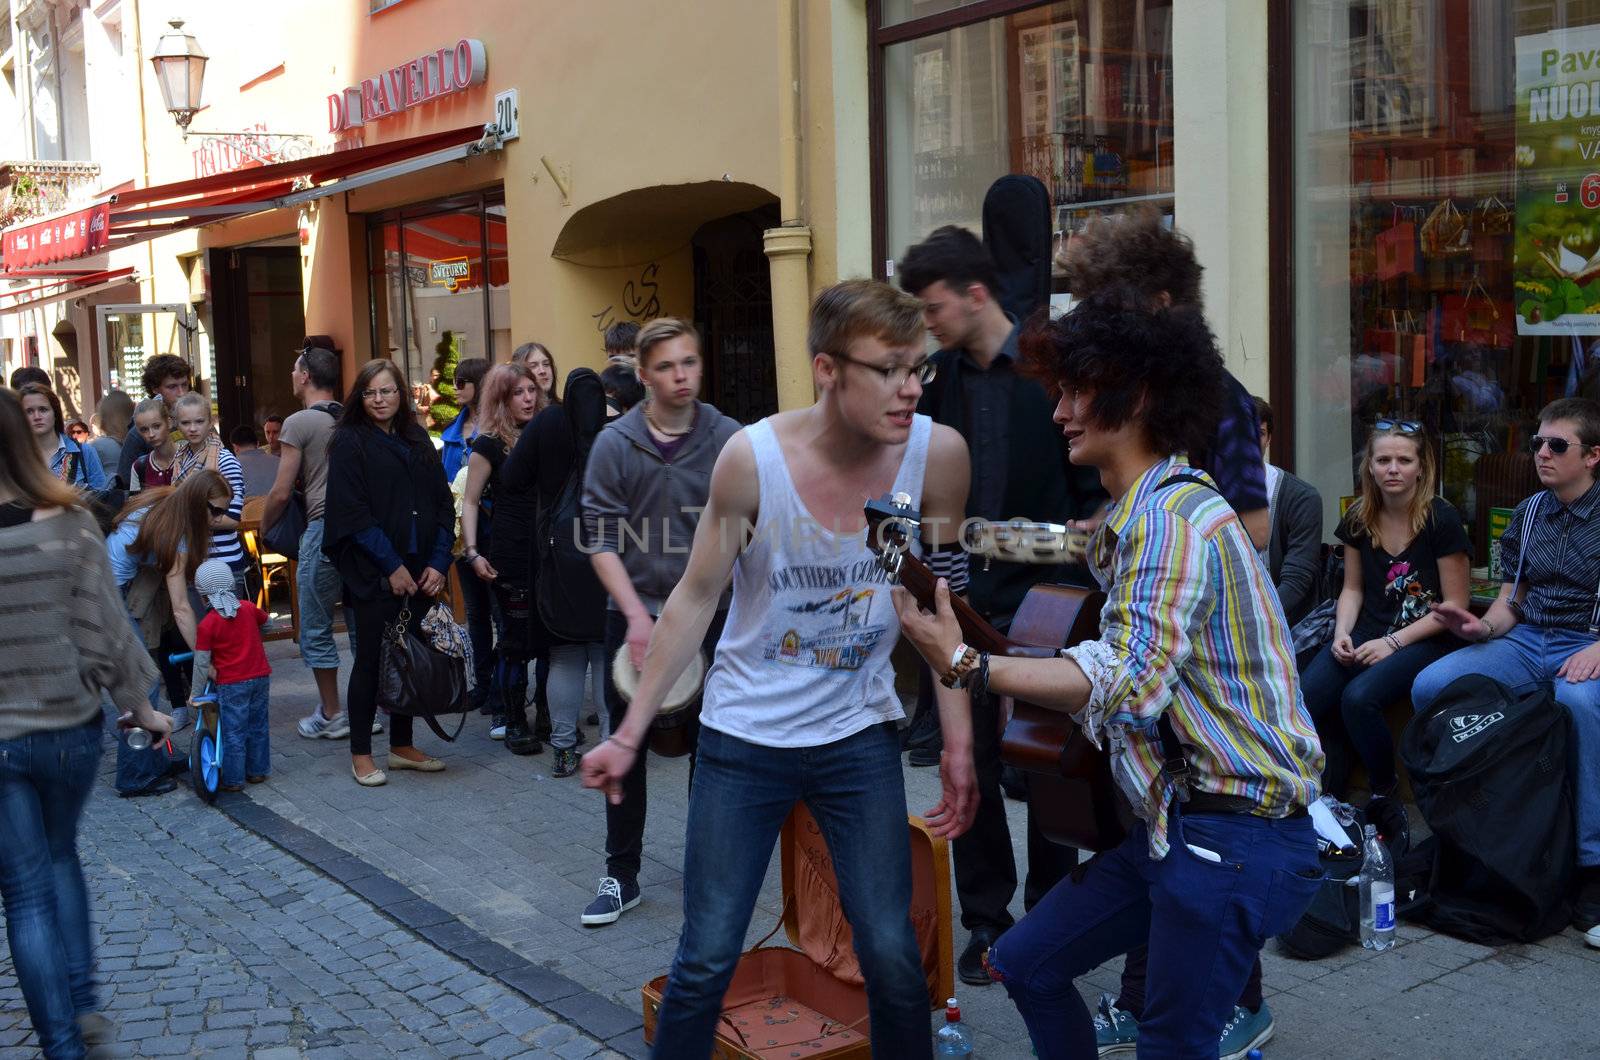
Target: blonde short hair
664, 329
854, 309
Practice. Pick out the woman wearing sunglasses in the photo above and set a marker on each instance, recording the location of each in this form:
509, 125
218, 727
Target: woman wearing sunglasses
1404, 549
159, 540
1545, 625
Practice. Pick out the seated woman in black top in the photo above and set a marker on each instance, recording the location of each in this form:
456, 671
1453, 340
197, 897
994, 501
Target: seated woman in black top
508, 399
1404, 548
388, 528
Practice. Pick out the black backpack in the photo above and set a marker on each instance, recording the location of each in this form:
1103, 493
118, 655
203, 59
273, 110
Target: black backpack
570, 599
1490, 772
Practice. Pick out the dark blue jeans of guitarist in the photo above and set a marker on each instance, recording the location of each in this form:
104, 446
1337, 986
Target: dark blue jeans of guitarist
1190, 689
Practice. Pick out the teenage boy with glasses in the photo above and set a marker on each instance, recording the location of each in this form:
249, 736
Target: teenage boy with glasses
1545, 624
800, 704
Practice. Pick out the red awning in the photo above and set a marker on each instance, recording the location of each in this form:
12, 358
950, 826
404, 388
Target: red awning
63, 287
67, 235
145, 213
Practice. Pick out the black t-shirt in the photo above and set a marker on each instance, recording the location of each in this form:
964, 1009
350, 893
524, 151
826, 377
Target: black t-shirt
14, 513
511, 515
1396, 589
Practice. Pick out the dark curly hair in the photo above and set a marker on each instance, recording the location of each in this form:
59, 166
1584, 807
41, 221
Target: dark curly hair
951, 254
1133, 249
1157, 365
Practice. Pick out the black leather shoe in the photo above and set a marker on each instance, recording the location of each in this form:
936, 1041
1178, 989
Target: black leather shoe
160, 787
519, 741
970, 966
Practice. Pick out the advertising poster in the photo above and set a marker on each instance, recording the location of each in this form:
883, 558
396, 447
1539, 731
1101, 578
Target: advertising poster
1557, 253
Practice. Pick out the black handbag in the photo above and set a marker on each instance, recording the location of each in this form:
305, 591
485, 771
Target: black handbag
283, 536
417, 680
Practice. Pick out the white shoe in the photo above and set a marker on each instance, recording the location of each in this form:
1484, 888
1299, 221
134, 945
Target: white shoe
316, 727
1592, 936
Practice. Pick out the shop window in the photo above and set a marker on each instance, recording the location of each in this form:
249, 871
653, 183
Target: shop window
440, 287
1077, 94
1441, 239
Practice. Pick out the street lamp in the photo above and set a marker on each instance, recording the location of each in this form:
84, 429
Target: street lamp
180, 71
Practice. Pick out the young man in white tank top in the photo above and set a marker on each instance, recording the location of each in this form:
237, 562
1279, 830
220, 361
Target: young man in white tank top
800, 701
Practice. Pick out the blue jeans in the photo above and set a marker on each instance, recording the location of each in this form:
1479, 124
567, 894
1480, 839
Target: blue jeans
740, 797
317, 590
1348, 704
137, 770
44, 782
1204, 922
1524, 657
246, 743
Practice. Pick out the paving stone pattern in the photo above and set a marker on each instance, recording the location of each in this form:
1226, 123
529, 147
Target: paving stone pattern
213, 942
493, 860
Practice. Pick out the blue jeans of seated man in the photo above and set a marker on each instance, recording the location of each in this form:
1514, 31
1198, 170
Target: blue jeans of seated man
740, 797
44, 782
1204, 922
246, 744
1521, 659
1348, 704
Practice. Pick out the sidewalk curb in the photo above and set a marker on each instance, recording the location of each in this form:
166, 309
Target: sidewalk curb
596, 1015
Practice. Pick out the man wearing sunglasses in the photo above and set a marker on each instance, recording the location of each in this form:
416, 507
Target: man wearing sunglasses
1019, 471
1545, 625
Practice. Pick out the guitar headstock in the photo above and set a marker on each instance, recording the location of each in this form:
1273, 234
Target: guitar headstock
891, 525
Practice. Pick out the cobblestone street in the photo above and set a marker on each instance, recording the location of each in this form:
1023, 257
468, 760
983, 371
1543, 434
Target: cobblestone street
439, 916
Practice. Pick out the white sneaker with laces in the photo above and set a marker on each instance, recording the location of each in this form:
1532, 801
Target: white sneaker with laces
316, 727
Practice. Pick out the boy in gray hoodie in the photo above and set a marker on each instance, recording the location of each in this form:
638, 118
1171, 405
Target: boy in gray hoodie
648, 479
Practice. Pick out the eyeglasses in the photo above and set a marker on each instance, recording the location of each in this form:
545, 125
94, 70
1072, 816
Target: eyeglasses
1398, 426
897, 374
217, 511
1558, 446
383, 392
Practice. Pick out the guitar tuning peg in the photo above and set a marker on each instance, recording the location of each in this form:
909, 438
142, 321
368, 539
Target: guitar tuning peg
901, 500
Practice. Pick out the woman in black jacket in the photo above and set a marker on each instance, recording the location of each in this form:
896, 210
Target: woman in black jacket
549, 459
389, 528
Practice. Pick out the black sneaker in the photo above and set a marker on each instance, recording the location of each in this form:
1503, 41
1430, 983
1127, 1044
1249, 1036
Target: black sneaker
497, 727
611, 900
566, 763
519, 741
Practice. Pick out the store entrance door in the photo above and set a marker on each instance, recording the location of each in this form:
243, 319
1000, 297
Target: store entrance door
733, 308
258, 320
130, 334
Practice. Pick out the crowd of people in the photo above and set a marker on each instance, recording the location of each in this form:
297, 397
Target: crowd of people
591, 522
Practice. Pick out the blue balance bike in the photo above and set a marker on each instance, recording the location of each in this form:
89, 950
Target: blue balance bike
205, 750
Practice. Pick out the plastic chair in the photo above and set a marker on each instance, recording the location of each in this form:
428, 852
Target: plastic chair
268, 564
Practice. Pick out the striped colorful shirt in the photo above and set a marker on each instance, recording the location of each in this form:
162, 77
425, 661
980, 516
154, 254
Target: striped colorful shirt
1192, 628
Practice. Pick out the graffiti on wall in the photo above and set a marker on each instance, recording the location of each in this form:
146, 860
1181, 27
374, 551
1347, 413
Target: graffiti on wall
639, 301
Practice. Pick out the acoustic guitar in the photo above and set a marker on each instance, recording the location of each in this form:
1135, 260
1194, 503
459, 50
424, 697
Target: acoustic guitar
1070, 790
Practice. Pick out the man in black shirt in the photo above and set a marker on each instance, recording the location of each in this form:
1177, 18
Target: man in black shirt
1019, 470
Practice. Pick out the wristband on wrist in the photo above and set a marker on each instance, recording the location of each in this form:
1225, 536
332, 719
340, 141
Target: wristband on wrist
619, 742
963, 663
1392, 640
1490, 627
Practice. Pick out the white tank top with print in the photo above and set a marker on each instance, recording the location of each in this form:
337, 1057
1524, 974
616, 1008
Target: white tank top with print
804, 657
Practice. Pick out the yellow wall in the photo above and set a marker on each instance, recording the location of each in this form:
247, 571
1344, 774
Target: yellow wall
618, 95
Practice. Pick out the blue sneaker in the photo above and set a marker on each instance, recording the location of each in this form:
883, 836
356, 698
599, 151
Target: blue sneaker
610, 902
1244, 1031
1115, 1031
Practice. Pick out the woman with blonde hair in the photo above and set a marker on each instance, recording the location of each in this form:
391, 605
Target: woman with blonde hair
66, 641
501, 552
157, 466
1404, 549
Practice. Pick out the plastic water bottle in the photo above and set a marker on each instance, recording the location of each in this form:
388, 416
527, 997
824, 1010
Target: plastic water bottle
954, 1039
1377, 894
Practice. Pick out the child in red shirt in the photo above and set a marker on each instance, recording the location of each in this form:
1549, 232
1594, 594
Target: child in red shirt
228, 641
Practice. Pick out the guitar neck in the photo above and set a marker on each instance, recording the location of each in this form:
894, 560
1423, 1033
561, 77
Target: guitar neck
919, 581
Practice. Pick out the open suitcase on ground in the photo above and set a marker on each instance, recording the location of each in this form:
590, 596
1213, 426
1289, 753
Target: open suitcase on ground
811, 1001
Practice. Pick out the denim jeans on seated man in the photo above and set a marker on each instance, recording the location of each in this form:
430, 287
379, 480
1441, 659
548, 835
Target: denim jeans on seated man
44, 781
1525, 656
741, 795
1204, 922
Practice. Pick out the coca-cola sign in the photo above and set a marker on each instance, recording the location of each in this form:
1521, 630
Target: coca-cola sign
398, 89
71, 235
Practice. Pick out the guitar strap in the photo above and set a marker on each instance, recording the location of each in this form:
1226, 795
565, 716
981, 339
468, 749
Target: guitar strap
1174, 764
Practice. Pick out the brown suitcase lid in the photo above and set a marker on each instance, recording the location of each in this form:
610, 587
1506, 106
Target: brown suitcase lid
814, 920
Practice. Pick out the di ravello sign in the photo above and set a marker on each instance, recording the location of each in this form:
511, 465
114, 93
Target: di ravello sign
417, 81
1557, 266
